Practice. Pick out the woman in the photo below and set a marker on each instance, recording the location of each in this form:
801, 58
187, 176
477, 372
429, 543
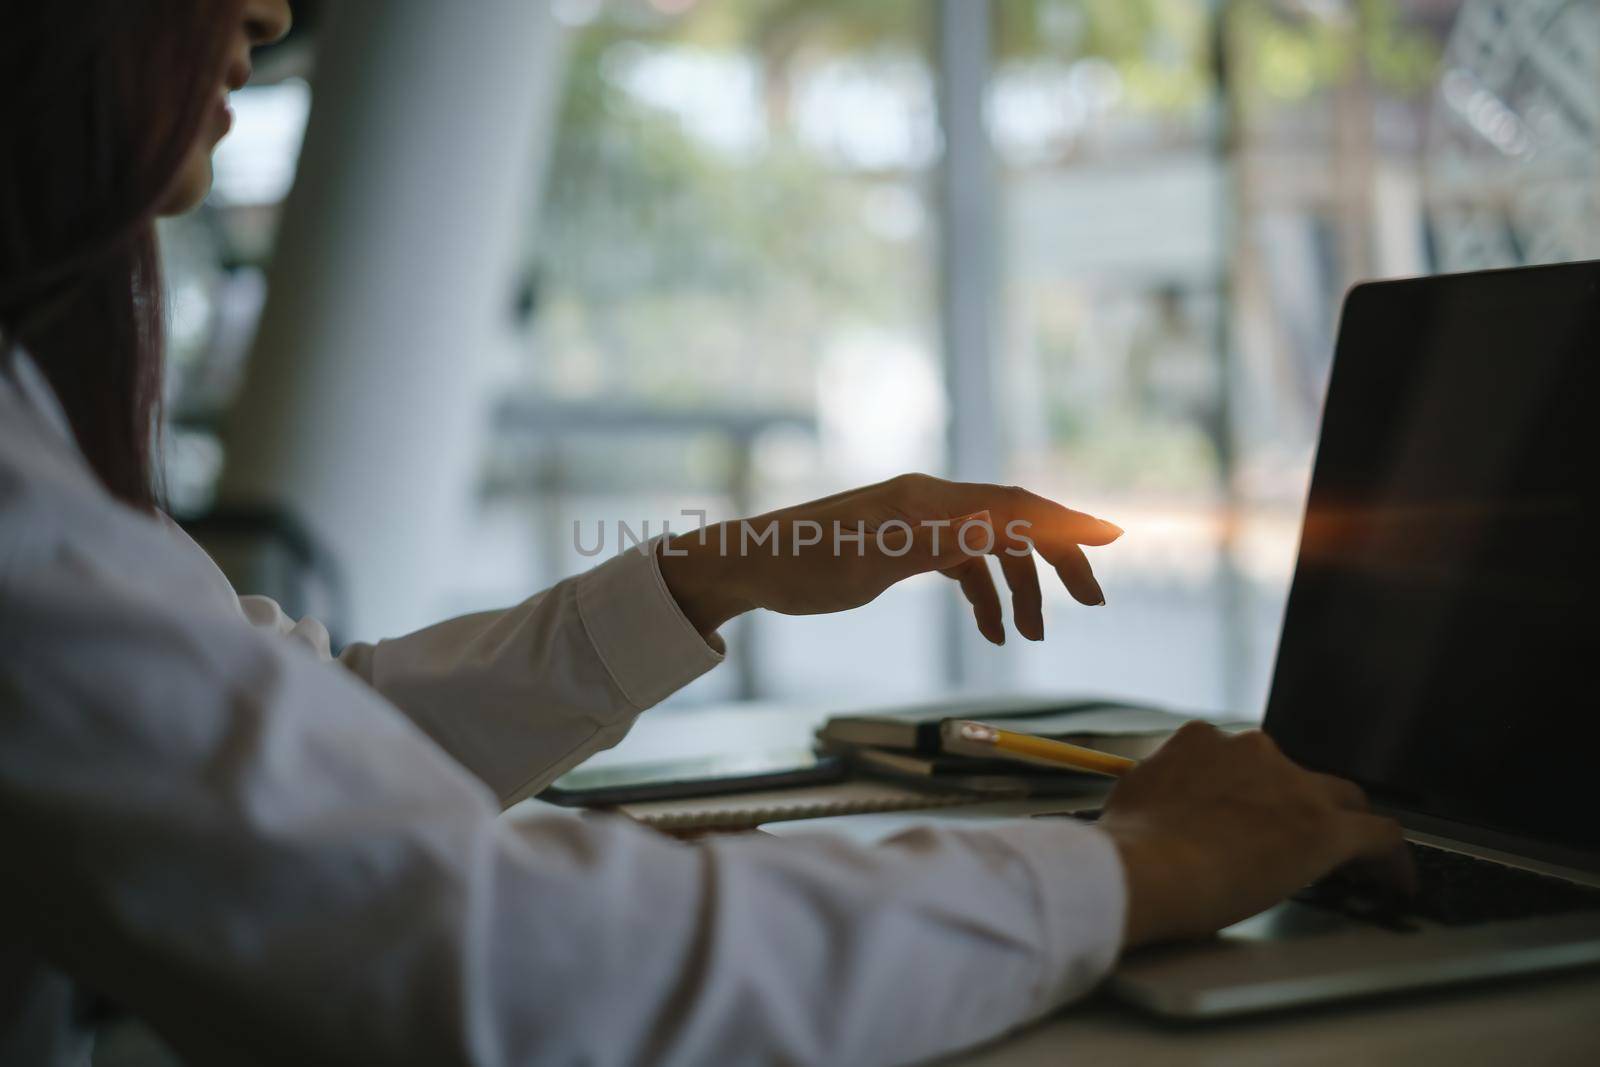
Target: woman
272, 855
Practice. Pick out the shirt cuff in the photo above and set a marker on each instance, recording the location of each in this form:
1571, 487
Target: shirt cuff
645, 641
1082, 898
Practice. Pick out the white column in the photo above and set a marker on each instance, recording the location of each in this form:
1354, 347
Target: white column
391, 287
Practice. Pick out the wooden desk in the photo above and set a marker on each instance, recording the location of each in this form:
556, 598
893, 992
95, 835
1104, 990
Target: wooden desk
1551, 1022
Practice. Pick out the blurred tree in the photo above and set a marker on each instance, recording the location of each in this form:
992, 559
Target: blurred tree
653, 241
1291, 51
1154, 45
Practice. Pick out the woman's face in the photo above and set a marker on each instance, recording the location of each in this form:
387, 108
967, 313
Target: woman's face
260, 22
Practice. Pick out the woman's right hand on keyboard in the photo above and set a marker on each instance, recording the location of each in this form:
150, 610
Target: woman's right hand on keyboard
1216, 827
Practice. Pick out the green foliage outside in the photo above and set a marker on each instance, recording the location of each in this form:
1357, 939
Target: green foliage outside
682, 274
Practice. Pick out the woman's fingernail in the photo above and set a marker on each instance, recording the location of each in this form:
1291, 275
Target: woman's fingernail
1111, 527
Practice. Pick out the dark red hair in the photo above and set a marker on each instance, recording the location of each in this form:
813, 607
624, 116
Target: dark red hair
100, 103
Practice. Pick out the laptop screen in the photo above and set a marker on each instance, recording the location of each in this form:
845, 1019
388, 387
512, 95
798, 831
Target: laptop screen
1440, 643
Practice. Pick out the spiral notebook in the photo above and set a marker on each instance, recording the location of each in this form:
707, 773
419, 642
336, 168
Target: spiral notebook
746, 811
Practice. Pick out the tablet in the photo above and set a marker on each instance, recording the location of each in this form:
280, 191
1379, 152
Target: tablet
736, 772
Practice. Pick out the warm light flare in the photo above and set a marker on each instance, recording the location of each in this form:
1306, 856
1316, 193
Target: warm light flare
1467, 545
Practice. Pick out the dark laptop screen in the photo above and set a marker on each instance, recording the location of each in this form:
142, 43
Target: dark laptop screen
1440, 641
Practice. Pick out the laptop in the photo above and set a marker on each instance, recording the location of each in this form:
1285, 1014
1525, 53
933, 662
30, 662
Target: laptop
1439, 648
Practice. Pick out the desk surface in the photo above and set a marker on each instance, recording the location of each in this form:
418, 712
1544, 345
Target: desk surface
1552, 1022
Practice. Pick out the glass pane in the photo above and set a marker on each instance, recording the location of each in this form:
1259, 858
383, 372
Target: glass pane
729, 291
1178, 246
1112, 199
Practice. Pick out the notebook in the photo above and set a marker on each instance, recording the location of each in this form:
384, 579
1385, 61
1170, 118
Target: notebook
1103, 724
996, 777
748, 810
915, 727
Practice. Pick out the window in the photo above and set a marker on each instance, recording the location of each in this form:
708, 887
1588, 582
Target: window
1189, 189
730, 289
730, 292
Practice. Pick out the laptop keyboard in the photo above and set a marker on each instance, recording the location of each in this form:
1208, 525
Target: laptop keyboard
1453, 889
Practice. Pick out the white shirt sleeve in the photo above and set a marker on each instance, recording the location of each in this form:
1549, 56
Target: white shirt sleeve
520, 696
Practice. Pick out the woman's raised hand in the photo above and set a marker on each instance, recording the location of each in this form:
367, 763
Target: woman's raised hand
842, 551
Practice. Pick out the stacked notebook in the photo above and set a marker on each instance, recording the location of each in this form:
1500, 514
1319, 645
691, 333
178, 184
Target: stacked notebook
916, 745
906, 759
746, 811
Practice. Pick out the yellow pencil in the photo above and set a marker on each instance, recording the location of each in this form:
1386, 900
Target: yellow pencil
1043, 748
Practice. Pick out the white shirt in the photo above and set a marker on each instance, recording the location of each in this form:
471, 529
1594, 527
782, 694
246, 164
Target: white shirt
275, 857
